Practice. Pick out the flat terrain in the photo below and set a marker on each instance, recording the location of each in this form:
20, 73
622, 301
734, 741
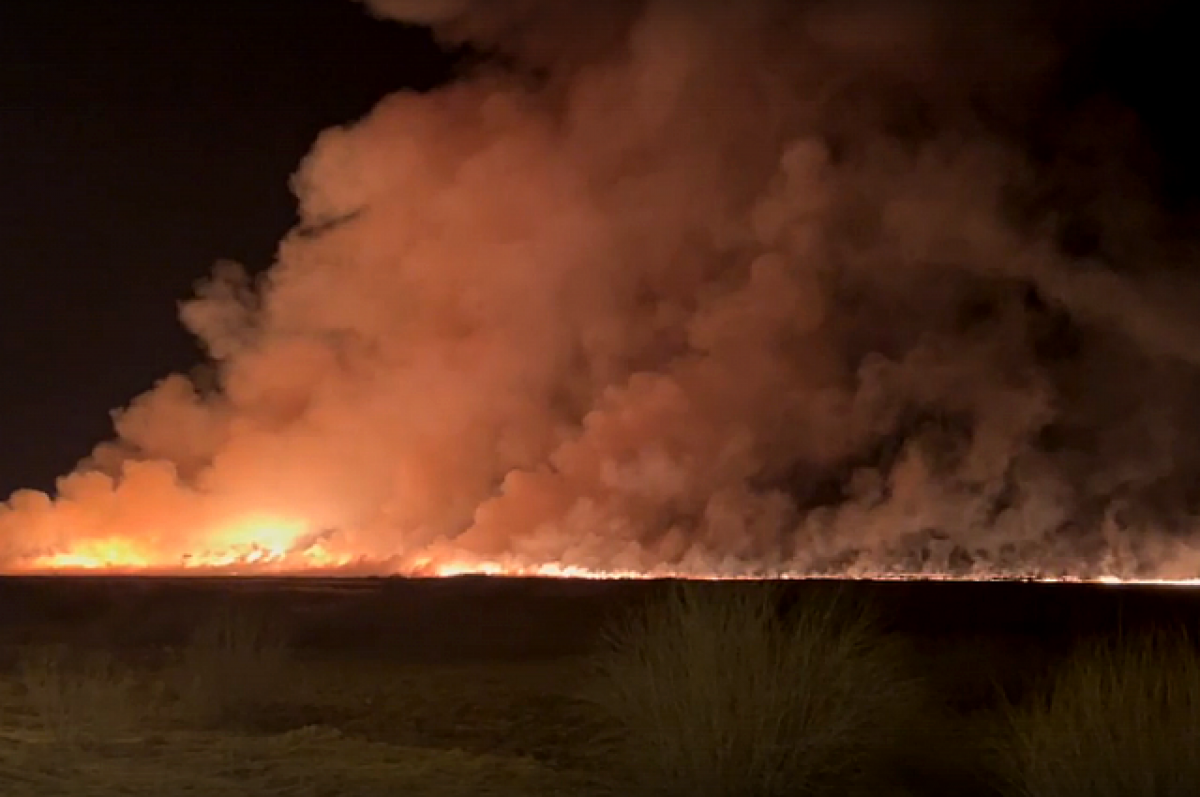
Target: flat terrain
481, 618
441, 686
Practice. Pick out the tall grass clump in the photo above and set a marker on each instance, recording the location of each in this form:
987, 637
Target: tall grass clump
1120, 719
235, 665
79, 700
715, 691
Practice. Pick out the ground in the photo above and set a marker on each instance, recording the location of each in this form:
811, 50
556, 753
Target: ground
395, 686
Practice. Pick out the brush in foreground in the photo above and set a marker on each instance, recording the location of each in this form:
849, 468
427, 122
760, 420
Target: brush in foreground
1121, 719
78, 699
718, 692
234, 667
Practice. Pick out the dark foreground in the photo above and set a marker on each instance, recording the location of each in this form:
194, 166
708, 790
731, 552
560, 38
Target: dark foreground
467, 685
482, 618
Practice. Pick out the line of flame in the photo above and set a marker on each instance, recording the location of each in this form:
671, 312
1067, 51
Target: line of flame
268, 546
267, 563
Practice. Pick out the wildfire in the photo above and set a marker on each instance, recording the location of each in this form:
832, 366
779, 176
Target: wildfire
257, 543
101, 555
263, 544
451, 568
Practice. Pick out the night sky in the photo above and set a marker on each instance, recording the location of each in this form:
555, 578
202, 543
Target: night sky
140, 142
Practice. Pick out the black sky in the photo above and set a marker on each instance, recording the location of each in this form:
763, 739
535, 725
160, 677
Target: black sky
139, 143
142, 141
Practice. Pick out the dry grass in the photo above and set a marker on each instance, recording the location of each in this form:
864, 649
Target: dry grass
236, 666
310, 762
80, 699
1120, 719
365, 729
715, 692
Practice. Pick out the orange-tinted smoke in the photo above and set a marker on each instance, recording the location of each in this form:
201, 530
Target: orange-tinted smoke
723, 289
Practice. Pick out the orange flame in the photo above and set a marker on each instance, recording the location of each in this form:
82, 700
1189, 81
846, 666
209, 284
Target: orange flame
95, 555
258, 542
266, 544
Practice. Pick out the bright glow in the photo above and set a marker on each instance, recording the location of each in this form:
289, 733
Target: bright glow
253, 541
95, 555
257, 544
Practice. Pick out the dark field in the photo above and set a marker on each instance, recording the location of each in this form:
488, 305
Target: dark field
482, 618
448, 686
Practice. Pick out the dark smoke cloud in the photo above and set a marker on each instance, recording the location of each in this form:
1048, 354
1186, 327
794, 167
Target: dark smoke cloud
708, 287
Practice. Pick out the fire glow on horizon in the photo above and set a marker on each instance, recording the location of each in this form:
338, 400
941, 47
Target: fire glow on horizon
274, 547
256, 542
803, 313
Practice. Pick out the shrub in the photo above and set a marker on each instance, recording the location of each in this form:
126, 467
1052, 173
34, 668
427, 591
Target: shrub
82, 699
1120, 718
715, 691
234, 666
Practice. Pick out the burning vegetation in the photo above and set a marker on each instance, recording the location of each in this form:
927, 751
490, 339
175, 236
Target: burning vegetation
698, 289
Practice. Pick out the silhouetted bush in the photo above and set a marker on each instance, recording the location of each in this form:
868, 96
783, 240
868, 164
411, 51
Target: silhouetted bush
717, 692
1120, 719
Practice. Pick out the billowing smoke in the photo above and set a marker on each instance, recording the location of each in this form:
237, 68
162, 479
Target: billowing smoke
706, 287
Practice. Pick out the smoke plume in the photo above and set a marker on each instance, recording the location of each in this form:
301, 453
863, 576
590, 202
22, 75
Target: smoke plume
699, 287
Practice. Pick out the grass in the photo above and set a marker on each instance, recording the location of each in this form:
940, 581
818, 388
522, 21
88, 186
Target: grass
307, 762
716, 692
235, 666
79, 699
1121, 718
711, 689
235, 711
